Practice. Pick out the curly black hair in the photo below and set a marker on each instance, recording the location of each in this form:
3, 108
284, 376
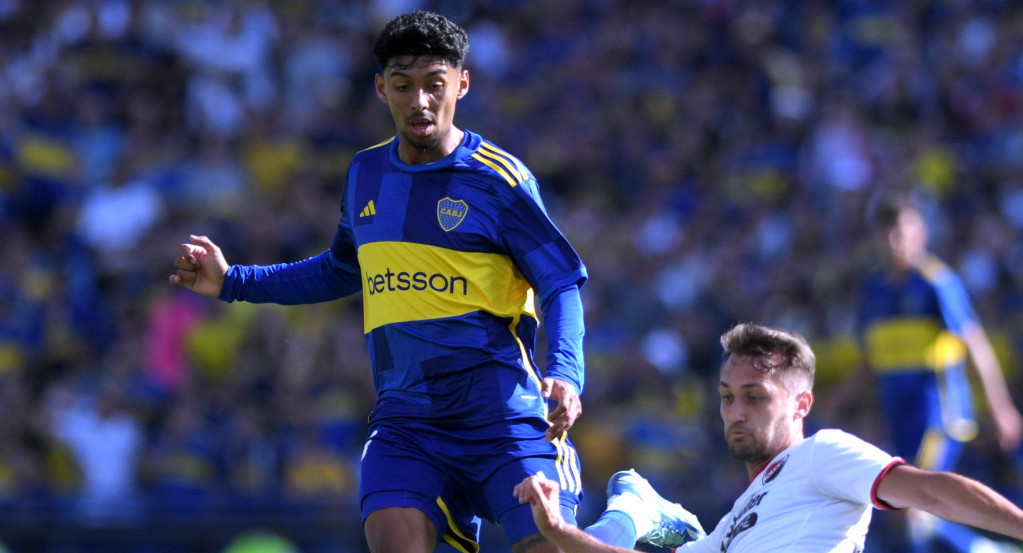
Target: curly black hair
421, 33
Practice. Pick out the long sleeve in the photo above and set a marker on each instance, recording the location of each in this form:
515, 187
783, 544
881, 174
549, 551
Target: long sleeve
319, 278
564, 325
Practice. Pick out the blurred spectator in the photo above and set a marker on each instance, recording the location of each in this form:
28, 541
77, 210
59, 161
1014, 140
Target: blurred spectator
106, 440
252, 454
180, 466
230, 45
170, 322
116, 216
314, 471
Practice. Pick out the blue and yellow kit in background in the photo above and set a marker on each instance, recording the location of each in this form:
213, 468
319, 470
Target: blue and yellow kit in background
450, 257
911, 326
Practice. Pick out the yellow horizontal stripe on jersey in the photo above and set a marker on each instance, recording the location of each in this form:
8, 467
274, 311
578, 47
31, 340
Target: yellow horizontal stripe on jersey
404, 281
912, 344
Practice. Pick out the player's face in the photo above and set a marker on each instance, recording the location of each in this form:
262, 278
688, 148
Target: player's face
907, 240
421, 93
761, 416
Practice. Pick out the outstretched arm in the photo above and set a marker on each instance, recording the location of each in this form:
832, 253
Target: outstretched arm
542, 495
201, 266
330, 275
952, 497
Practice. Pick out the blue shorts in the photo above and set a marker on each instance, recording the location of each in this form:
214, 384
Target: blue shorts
458, 476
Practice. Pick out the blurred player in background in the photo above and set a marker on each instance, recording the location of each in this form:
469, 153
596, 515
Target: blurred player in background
447, 238
917, 327
809, 495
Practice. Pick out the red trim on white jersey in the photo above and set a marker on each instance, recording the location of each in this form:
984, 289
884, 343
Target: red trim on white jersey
877, 482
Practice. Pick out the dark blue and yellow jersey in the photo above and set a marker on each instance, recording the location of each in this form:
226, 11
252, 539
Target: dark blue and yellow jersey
912, 326
914, 321
449, 257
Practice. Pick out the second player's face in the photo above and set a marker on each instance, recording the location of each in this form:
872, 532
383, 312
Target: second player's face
907, 240
758, 412
421, 93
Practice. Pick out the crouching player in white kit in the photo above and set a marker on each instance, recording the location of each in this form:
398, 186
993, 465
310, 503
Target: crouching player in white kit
811, 495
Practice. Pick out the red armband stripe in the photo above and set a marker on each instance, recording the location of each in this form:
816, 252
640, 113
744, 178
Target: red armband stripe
877, 482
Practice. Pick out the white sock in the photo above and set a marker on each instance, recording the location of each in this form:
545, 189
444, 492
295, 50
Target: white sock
636, 510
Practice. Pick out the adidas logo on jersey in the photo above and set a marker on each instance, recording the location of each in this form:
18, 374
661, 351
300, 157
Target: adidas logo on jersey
369, 210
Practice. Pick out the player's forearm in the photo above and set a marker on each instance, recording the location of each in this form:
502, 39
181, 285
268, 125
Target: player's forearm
563, 321
312, 280
961, 499
988, 369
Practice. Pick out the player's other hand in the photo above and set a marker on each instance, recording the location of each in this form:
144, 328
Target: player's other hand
569, 406
543, 497
201, 266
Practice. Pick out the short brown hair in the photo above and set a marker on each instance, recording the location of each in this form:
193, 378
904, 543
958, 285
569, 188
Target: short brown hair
758, 342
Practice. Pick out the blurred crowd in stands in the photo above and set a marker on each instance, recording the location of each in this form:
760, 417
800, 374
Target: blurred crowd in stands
711, 160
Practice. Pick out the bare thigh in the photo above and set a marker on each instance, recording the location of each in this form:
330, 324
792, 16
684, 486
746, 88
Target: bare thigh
400, 530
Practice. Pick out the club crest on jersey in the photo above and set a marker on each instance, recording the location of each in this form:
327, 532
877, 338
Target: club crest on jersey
451, 213
771, 472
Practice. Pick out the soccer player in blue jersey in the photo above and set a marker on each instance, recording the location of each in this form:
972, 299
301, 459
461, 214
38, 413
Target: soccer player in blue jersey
917, 328
446, 236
